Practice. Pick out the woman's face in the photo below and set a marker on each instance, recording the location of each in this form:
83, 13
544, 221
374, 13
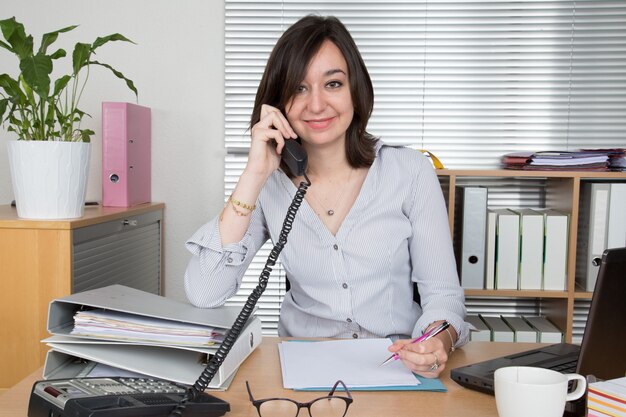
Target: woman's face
321, 109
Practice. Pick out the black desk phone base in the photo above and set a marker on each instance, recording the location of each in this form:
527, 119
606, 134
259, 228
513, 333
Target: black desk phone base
117, 397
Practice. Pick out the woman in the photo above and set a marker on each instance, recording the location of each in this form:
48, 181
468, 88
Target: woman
373, 223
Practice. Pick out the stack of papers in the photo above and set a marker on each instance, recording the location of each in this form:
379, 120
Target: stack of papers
557, 160
121, 329
114, 325
318, 365
607, 398
617, 157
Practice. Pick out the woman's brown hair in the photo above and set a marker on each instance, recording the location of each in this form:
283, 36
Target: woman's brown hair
286, 68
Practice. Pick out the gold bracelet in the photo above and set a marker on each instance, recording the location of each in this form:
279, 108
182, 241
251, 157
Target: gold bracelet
235, 203
250, 207
451, 340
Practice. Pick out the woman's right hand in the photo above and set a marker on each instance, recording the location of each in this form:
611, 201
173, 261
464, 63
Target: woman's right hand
268, 138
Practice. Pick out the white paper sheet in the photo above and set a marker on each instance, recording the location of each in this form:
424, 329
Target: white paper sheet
355, 362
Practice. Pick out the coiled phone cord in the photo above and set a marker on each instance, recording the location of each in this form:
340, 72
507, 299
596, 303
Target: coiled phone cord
232, 334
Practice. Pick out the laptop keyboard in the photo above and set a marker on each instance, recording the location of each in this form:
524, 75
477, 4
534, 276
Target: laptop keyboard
565, 368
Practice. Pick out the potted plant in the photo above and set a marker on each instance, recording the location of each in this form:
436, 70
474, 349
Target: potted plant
50, 159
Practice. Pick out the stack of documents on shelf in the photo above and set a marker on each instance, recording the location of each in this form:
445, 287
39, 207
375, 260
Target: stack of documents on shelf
557, 161
607, 398
316, 366
121, 329
617, 157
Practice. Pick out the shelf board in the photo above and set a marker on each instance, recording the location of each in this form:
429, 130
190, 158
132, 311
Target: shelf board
516, 293
583, 295
537, 174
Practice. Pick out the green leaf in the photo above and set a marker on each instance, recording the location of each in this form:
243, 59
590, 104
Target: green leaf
49, 38
12, 31
60, 84
80, 114
80, 56
4, 103
36, 70
9, 26
28, 92
6, 46
85, 135
11, 86
50, 114
15, 35
59, 53
114, 37
118, 74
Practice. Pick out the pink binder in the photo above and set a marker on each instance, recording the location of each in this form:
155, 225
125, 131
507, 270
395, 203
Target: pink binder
126, 170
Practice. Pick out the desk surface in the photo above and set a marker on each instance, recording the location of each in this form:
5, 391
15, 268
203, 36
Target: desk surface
262, 370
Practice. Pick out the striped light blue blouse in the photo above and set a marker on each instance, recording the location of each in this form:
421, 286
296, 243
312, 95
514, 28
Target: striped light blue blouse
358, 283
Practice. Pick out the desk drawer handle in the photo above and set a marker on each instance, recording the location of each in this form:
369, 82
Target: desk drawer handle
127, 222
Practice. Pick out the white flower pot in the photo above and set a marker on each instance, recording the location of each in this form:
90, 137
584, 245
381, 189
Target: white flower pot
49, 178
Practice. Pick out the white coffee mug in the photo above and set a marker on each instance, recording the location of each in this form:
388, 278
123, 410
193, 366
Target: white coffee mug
524, 391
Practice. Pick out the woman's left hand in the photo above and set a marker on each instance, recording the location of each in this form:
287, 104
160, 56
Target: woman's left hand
427, 359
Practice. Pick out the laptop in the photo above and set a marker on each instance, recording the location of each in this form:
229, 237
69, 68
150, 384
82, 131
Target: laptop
602, 352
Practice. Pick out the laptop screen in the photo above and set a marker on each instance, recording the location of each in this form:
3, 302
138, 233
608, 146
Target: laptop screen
603, 349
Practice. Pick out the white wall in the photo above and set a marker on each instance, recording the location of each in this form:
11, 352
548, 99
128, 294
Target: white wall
177, 66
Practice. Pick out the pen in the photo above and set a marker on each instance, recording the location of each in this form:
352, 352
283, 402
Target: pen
432, 333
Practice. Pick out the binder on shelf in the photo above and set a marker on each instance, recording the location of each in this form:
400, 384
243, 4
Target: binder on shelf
592, 231
490, 255
159, 359
546, 331
470, 228
531, 249
522, 331
500, 331
126, 161
616, 227
480, 332
556, 231
507, 249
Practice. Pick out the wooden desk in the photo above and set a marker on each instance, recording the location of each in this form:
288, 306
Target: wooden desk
262, 370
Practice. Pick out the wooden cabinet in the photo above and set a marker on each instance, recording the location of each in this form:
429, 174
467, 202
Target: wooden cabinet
44, 260
550, 189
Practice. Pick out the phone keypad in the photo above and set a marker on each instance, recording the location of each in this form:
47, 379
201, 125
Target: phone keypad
121, 386
148, 385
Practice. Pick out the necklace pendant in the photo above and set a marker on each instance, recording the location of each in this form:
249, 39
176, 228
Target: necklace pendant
330, 212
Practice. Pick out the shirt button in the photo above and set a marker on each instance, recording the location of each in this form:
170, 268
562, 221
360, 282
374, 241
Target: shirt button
229, 260
335, 247
344, 285
355, 336
349, 320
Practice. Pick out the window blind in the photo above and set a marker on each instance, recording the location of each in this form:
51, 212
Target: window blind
467, 80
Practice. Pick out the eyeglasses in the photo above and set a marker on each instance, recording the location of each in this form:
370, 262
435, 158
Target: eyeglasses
328, 406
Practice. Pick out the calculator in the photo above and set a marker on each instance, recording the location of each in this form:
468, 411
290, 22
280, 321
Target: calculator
117, 397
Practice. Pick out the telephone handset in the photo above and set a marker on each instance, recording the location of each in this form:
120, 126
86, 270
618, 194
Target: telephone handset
295, 157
